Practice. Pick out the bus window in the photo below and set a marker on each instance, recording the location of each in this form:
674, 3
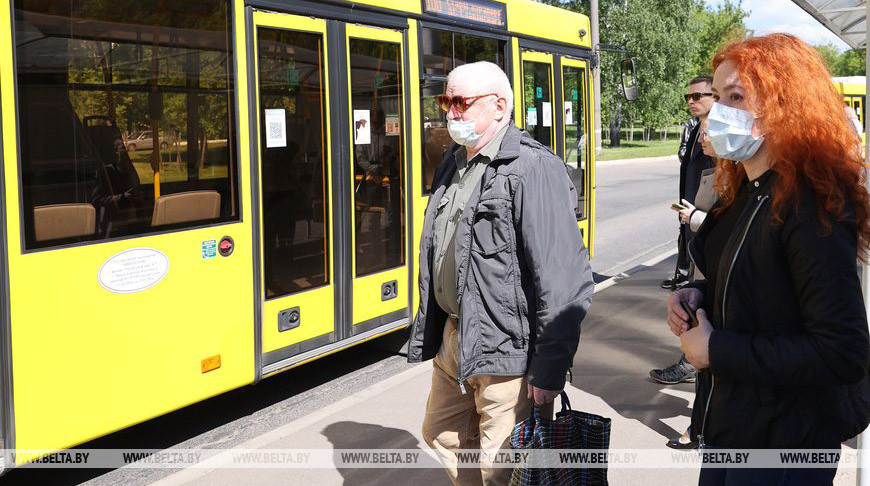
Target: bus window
295, 205
378, 155
111, 98
575, 132
442, 51
536, 98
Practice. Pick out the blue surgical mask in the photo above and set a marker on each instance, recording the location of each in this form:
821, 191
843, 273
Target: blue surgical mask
462, 132
730, 132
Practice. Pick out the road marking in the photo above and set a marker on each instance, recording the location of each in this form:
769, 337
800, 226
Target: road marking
610, 282
623, 265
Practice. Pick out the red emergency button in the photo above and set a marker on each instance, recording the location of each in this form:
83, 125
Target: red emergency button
226, 246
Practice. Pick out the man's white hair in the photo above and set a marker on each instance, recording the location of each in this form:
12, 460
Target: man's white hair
484, 77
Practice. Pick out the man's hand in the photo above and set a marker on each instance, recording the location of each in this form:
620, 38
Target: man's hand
542, 396
696, 342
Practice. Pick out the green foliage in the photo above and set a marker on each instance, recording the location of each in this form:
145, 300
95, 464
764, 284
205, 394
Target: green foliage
661, 36
851, 63
719, 26
671, 42
831, 55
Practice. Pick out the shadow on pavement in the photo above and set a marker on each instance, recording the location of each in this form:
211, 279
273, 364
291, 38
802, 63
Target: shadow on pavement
355, 435
624, 336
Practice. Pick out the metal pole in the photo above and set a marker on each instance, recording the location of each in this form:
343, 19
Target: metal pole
863, 473
596, 73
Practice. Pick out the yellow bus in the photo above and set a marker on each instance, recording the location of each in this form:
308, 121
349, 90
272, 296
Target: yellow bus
198, 194
854, 91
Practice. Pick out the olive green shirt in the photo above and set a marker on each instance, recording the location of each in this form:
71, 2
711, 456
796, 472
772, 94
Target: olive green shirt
450, 207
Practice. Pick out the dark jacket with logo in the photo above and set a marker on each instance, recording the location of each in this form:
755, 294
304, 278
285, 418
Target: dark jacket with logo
523, 274
790, 351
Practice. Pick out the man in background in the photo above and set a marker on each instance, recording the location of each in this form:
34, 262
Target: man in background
692, 164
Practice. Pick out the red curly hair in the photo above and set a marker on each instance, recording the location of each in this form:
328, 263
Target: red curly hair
805, 130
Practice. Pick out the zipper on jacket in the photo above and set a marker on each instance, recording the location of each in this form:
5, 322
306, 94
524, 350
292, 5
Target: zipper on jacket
459, 291
724, 301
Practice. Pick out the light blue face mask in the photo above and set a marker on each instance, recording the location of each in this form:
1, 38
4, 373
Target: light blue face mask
730, 132
462, 132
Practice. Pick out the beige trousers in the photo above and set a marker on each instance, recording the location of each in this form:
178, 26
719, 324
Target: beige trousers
481, 419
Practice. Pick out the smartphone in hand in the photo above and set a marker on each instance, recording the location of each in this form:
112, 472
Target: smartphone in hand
693, 319
677, 207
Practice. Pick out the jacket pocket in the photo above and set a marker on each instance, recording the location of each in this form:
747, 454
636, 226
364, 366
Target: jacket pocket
491, 227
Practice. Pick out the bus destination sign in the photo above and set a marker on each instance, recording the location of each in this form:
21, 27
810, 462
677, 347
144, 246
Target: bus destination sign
485, 12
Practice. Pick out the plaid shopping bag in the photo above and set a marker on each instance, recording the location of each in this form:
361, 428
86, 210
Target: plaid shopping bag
570, 430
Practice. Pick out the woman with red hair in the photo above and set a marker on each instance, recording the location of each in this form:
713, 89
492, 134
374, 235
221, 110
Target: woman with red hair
782, 340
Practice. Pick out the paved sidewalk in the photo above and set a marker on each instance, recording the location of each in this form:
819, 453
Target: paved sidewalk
623, 337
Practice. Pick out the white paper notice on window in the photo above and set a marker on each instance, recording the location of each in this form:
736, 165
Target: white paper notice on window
362, 127
532, 117
276, 128
547, 114
569, 113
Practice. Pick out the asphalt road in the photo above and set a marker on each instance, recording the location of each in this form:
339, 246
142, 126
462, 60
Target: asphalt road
634, 216
634, 221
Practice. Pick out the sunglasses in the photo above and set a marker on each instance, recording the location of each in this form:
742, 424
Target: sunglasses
695, 96
461, 103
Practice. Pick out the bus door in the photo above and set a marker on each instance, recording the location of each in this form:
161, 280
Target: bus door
332, 172
376, 161
858, 108
578, 149
537, 101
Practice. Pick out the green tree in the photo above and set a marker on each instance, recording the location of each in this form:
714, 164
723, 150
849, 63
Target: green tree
851, 63
671, 42
661, 36
831, 55
719, 26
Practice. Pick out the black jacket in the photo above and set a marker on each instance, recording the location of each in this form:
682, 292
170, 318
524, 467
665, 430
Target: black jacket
790, 350
692, 164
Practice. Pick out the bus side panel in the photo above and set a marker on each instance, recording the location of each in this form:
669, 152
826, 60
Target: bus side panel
590, 124
525, 16
417, 199
87, 361
519, 116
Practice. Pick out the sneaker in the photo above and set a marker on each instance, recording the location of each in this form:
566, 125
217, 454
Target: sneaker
675, 283
679, 372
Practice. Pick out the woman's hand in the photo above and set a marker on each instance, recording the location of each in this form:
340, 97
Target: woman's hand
695, 343
686, 214
678, 320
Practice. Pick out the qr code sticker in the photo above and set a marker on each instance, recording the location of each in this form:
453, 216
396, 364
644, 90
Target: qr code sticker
275, 130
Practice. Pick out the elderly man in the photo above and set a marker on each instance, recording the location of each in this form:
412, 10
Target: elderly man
504, 276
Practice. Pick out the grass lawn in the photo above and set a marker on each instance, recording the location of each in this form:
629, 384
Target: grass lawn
637, 149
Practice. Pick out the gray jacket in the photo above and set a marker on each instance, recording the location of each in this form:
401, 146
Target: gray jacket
524, 280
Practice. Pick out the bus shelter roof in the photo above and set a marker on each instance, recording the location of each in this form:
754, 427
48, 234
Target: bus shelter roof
845, 18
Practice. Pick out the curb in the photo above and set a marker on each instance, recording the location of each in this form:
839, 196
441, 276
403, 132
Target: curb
610, 282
